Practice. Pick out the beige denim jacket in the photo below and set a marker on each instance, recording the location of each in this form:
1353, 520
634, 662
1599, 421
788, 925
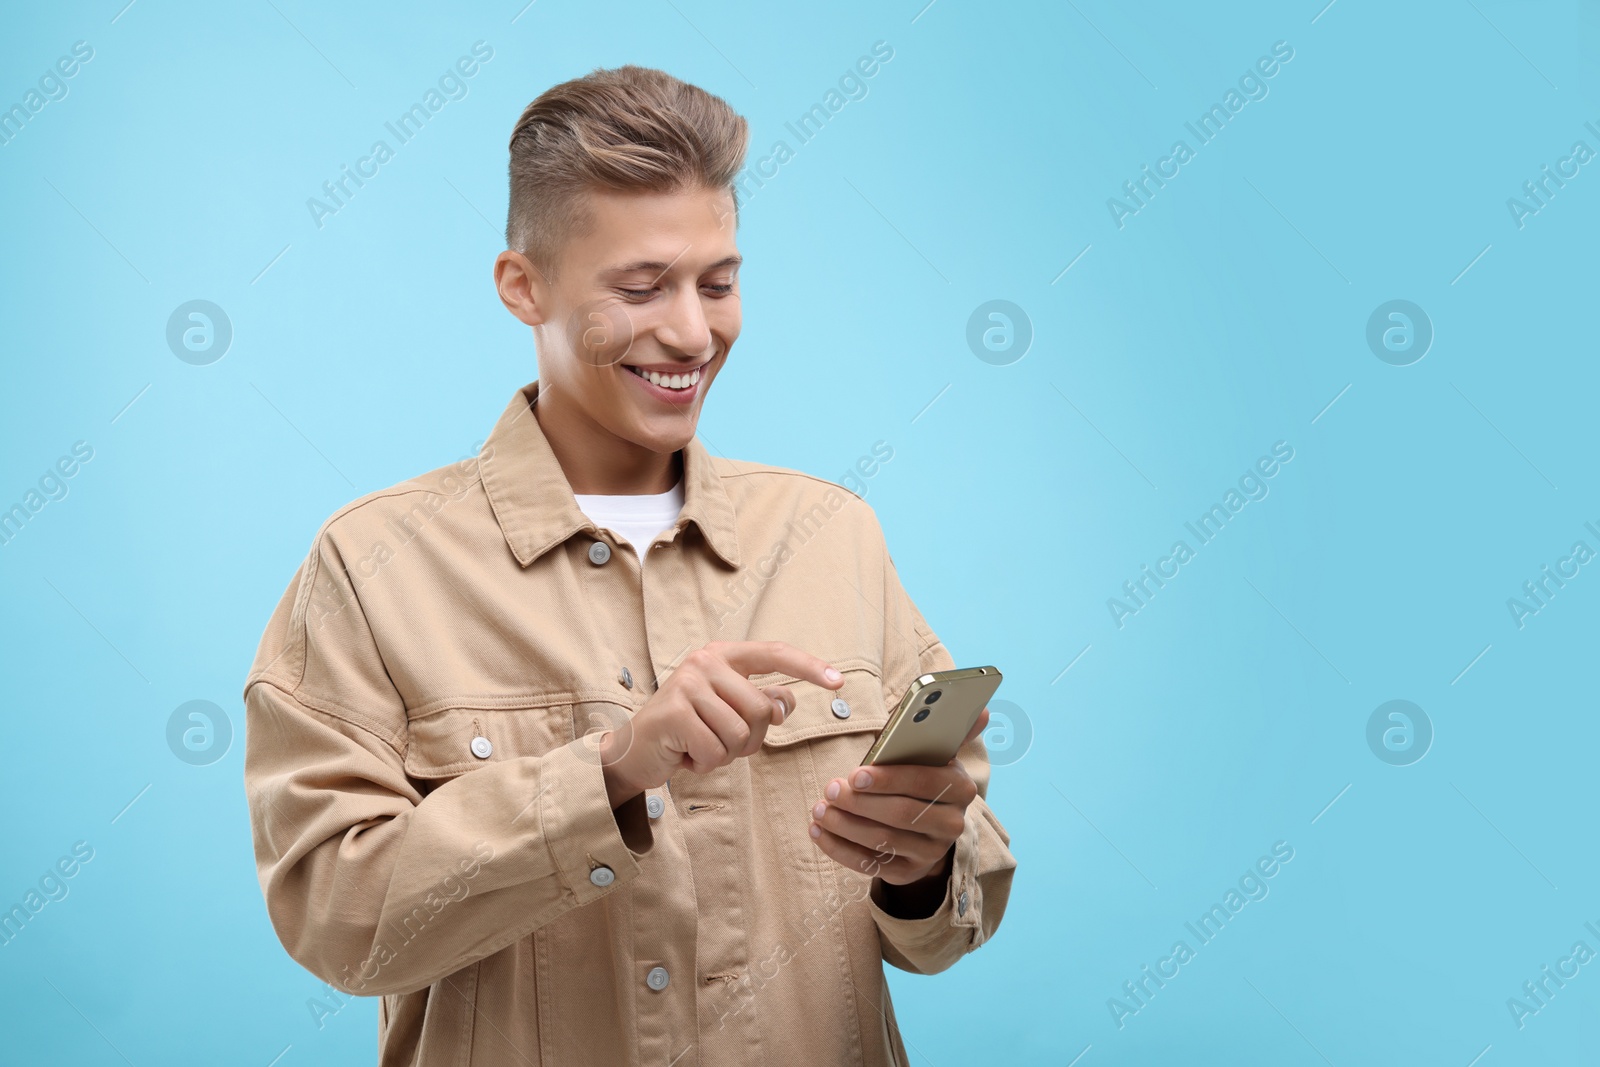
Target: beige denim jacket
430, 818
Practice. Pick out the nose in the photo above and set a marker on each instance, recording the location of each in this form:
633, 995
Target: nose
685, 327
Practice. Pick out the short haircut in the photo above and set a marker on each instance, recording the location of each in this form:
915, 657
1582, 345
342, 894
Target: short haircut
627, 129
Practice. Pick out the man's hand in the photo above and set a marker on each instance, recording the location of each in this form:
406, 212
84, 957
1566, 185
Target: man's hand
898, 823
707, 714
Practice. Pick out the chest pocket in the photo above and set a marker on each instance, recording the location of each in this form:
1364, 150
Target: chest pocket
814, 745
448, 741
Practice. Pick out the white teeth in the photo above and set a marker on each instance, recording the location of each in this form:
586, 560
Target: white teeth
669, 381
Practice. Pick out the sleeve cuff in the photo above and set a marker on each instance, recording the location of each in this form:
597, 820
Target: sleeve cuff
584, 835
959, 911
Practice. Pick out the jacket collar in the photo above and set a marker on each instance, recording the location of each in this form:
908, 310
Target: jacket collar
535, 505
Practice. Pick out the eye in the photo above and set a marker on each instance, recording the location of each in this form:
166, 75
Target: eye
636, 294
718, 290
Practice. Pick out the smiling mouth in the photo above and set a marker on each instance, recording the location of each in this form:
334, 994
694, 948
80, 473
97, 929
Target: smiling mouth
669, 381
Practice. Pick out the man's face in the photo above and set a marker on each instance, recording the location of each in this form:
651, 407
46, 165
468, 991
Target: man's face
651, 285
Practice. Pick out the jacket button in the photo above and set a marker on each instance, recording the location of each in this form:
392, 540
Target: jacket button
655, 806
482, 747
627, 678
657, 978
599, 552
961, 903
840, 707
602, 876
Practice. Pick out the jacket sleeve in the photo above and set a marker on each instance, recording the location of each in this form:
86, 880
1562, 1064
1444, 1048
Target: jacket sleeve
982, 865
372, 885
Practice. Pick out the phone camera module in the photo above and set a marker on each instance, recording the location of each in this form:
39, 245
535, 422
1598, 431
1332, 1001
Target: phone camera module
931, 697
922, 713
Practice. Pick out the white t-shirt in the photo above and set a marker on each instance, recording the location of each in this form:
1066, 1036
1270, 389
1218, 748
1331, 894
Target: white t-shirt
640, 518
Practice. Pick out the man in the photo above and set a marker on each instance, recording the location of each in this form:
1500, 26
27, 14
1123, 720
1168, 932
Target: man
568, 790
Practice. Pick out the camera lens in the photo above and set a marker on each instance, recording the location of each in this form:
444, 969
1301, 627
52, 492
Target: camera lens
931, 697
922, 713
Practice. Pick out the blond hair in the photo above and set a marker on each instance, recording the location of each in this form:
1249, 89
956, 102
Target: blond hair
627, 129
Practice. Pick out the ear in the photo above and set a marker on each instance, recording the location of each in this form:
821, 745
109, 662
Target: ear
523, 290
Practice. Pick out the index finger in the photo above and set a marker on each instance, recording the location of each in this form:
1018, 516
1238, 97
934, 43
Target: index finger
762, 657
932, 784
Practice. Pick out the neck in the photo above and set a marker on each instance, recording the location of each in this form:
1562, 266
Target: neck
597, 461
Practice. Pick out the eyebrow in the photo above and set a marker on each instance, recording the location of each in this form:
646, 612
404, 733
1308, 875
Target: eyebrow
662, 268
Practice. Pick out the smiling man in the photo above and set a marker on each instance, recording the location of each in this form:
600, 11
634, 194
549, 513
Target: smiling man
567, 774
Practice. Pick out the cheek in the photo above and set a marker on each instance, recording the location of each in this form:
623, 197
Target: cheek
601, 333
725, 318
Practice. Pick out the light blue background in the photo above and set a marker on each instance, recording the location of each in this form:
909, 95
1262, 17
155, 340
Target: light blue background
1223, 317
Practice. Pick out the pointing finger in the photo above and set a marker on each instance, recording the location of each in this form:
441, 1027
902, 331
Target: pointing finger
762, 657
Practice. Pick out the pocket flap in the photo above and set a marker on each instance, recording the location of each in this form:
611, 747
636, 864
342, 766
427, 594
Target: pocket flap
814, 715
442, 742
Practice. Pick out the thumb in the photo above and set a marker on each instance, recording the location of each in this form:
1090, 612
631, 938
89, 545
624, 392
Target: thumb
783, 698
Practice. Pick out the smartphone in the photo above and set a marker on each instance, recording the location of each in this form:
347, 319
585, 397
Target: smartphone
932, 719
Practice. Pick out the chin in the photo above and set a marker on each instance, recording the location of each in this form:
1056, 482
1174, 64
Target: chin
671, 438
664, 434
